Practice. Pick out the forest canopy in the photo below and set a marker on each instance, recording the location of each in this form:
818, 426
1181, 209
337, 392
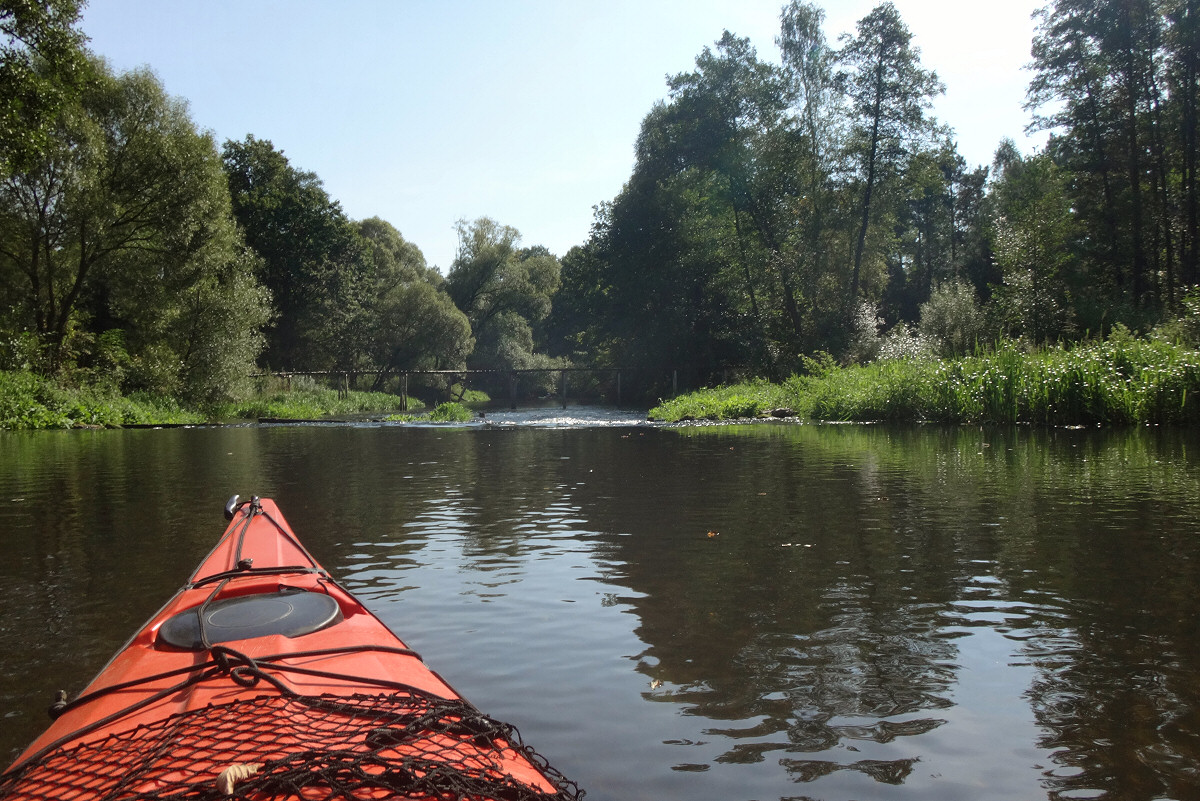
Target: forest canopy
781, 212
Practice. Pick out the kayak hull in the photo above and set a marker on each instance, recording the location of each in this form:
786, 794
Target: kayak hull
264, 677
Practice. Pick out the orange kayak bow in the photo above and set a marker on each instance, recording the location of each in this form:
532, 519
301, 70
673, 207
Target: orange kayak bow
264, 679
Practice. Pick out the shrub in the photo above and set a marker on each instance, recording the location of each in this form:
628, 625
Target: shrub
451, 413
864, 343
953, 319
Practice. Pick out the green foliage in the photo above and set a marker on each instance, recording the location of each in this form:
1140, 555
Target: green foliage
42, 70
1184, 329
417, 326
21, 350
889, 92
754, 184
954, 320
1116, 82
1122, 381
309, 403
739, 401
819, 364
392, 258
28, 401
503, 291
864, 346
1033, 231
474, 397
451, 412
123, 225
312, 257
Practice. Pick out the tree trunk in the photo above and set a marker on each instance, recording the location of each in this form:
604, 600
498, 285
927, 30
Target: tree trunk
1188, 139
1133, 164
872, 157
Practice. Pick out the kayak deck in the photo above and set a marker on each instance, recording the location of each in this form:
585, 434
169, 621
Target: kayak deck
264, 678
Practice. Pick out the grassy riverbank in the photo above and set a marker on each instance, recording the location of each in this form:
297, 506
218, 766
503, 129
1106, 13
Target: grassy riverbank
1122, 381
28, 401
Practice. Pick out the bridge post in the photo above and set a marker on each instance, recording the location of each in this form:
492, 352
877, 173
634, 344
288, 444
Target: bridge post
618, 389
404, 392
512, 389
562, 387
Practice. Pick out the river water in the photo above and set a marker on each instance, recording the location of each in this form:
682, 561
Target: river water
716, 613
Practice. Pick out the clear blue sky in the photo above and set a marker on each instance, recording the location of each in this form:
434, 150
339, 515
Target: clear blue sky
424, 112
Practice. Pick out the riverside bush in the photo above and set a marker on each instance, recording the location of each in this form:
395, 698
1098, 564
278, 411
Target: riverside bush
953, 319
451, 412
28, 401
310, 401
736, 401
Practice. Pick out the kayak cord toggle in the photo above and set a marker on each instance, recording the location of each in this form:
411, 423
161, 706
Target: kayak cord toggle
59, 705
235, 502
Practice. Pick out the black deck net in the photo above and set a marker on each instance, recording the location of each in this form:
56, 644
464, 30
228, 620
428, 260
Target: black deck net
393, 745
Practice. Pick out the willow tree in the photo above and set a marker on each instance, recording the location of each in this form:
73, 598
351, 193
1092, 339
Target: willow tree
42, 70
123, 226
503, 290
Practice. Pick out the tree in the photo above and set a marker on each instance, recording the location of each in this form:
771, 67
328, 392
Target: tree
391, 257
1182, 43
311, 255
818, 205
502, 290
42, 70
1033, 237
939, 223
124, 225
889, 93
759, 196
575, 328
727, 119
416, 326
407, 321
1115, 81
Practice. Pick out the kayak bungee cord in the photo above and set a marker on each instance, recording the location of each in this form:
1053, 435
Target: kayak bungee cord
181, 712
240, 668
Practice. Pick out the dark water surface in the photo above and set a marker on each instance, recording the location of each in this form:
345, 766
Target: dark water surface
706, 613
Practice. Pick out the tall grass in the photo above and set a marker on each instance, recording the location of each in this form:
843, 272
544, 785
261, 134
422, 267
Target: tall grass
310, 403
28, 401
753, 399
1122, 381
